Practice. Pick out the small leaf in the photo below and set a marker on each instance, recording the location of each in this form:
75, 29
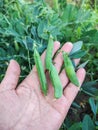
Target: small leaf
2, 52
76, 47
96, 122
87, 123
11, 32
88, 88
76, 126
78, 54
74, 104
93, 105
83, 65
43, 29
33, 32
28, 42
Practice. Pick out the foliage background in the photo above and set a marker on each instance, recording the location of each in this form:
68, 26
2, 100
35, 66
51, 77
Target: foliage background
23, 23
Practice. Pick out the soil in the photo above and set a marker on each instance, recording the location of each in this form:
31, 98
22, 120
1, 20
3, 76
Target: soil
77, 114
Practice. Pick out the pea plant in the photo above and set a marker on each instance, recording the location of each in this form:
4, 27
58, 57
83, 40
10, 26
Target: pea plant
24, 25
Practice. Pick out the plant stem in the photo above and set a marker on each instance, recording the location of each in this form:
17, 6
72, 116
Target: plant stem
29, 60
95, 5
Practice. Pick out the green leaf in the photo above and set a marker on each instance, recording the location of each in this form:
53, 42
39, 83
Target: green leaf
43, 29
93, 105
74, 104
34, 32
2, 52
1, 3
88, 88
69, 13
83, 64
76, 126
76, 47
87, 123
78, 54
20, 27
96, 122
83, 15
28, 42
11, 32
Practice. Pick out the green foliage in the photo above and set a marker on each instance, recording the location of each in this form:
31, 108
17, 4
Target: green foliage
76, 126
88, 123
93, 106
22, 25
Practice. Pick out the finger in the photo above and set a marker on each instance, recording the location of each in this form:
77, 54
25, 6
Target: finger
71, 90
59, 58
11, 77
76, 61
63, 77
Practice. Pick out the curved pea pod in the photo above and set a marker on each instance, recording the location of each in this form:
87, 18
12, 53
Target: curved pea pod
58, 89
40, 71
70, 71
48, 58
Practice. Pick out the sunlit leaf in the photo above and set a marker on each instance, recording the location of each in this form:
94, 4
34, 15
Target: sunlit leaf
76, 47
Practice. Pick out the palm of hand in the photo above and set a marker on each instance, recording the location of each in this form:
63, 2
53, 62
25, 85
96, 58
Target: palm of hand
25, 108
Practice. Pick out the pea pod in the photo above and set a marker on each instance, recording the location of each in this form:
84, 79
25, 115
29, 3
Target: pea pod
40, 71
58, 89
48, 58
16, 46
70, 70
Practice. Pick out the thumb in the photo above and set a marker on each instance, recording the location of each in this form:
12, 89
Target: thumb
11, 77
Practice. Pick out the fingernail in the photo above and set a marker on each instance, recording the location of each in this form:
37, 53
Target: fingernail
69, 43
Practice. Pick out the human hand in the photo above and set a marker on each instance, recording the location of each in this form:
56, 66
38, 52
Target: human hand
25, 107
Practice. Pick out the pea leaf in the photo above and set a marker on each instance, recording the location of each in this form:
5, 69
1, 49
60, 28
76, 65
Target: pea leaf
93, 105
88, 88
2, 52
28, 42
76, 126
43, 29
78, 54
96, 122
76, 47
87, 123
83, 64
74, 104
34, 32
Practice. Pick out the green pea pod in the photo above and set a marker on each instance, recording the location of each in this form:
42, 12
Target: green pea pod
48, 58
16, 46
58, 89
40, 71
69, 68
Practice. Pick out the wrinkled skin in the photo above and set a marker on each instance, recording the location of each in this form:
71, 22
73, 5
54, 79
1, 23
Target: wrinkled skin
25, 107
